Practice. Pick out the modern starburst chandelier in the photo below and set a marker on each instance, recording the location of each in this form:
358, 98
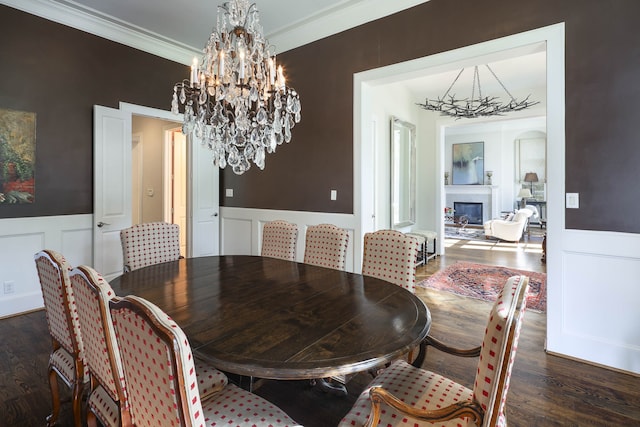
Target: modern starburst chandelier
477, 105
236, 100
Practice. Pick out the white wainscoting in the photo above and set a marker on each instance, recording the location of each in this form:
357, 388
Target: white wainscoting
593, 299
241, 230
22, 238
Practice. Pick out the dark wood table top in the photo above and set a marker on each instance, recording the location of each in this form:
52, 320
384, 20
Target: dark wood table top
269, 318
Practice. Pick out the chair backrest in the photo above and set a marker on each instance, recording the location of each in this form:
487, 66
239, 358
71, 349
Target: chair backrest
59, 302
391, 255
93, 294
498, 349
279, 240
326, 246
161, 362
522, 215
149, 243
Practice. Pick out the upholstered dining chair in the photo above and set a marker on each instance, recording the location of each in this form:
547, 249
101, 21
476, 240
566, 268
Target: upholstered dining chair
163, 362
391, 255
107, 398
279, 240
404, 392
326, 246
149, 243
67, 360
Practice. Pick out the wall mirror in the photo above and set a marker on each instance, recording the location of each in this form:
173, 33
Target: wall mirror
403, 173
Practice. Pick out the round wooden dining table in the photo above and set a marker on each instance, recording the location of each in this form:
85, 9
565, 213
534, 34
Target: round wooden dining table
269, 318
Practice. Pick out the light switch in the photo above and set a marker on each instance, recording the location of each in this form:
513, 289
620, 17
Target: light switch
229, 192
573, 200
334, 194
150, 192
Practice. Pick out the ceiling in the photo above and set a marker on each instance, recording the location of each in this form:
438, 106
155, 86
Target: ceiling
177, 30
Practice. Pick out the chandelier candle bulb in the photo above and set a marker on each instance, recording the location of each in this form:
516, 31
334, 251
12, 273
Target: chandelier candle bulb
241, 65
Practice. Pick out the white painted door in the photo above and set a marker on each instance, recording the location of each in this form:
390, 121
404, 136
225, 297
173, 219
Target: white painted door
179, 187
112, 187
204, 227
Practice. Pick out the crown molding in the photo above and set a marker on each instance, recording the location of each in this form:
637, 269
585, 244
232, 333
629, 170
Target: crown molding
336, 20
323, 24
110, 29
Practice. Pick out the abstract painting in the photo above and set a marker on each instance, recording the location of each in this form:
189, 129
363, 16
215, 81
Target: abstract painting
468, 163
17, 156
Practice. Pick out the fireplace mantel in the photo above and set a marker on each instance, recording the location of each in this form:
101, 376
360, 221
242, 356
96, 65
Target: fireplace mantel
488, 194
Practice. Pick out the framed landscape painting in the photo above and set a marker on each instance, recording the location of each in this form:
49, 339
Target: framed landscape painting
468, 163
17, 156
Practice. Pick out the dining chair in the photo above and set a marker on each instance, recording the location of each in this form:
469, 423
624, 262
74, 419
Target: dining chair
107, 398
149, 243
163, 362
67, 359
326, 246
391, 255
423, 398
279, 240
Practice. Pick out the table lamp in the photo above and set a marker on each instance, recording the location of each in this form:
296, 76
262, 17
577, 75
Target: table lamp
531, 177
524, 194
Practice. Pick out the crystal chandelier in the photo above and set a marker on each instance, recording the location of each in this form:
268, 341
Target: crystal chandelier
477, 105
236, 100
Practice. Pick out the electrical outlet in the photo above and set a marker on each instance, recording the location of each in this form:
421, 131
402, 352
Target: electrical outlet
9, 287
334, 194
228, 192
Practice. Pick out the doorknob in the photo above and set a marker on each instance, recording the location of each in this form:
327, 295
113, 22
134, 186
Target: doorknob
215, 214
101, 224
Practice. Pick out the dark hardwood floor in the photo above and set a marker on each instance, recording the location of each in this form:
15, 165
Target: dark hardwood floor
545, 390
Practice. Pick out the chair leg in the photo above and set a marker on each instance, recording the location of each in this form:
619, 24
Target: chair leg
55, 397
91, 419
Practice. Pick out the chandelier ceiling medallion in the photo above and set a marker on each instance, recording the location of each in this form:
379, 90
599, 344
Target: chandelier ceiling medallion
236, 100
478, 105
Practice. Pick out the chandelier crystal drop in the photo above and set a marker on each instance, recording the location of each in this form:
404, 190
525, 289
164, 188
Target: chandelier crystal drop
236, 100
477, 105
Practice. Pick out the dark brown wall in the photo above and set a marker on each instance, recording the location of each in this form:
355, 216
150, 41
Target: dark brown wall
602, 109
60, 73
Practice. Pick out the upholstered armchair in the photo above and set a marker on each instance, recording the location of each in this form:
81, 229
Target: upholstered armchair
511, 228
407, 395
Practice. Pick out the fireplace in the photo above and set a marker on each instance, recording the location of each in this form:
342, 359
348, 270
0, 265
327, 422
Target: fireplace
473, 211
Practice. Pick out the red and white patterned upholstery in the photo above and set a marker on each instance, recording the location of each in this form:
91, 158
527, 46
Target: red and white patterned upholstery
149, 243
391, 255
107, 400
67, 357
279, 240
326, 246
161, 378
424, 390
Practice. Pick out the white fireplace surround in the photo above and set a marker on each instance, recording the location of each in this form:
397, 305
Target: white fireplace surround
488, 195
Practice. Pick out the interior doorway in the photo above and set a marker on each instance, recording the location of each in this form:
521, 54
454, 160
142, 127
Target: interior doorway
159, 180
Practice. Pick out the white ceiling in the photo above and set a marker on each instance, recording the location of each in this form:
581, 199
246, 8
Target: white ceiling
178, 30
